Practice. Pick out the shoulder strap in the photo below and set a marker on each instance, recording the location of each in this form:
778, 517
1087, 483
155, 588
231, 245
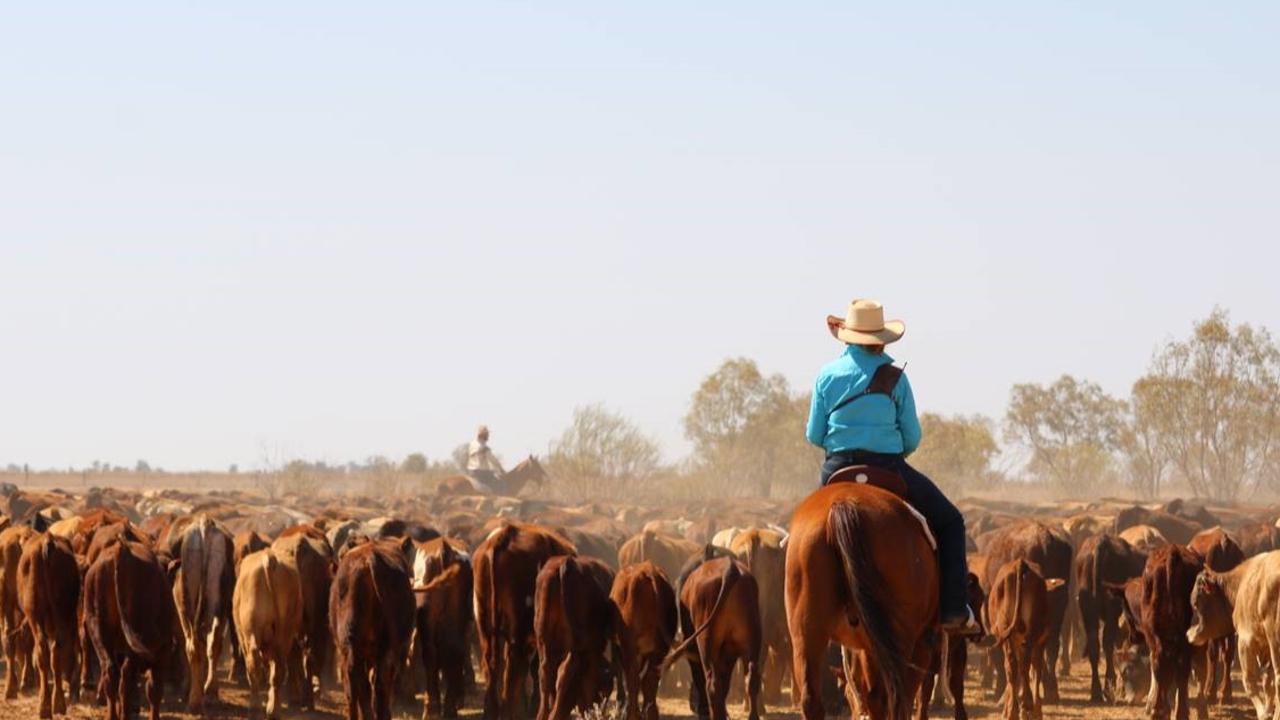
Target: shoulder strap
883, 381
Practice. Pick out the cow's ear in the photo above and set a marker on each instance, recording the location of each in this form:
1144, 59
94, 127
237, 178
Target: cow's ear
172, 569
406, 545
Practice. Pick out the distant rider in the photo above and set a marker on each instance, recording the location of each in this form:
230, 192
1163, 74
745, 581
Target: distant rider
863, 413
482, 465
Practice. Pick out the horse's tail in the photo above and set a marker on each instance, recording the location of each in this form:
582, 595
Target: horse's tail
887, 661
728, 578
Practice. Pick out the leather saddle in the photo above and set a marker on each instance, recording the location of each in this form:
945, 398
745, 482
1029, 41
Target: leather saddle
871, 475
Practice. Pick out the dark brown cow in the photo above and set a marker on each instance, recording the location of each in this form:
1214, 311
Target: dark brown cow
951, 659
647, 611
1017, 610
1042, 546
1167, 582
1103, 559
49, 592
506, 571
1178, 530
371, 619
1258, 538
574, 623
16, 633
1221, 554
720, 612
443, 587
310, 557
130, 616
1133, 658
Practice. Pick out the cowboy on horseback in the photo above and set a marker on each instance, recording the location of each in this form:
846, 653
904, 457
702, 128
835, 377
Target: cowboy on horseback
863, 413
483, 467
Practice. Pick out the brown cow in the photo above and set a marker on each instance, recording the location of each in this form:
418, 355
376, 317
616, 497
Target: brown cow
720, 612
268, 614
763, 553
312, 560
49, 593
1018, 613
1221, 554
647, 609
443, 587
129, 614
371, 620
202, 591
245, 543
1167, 582
574, 624
1043, 546
1103, 559
16, 633
506, 571
1244, 602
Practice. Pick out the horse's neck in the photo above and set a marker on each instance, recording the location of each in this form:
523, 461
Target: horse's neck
516, 478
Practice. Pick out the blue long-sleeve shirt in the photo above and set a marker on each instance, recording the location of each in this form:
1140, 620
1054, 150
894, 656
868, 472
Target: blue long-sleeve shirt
875, 423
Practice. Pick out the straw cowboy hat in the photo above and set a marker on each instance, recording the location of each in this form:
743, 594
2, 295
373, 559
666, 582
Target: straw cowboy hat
865, 325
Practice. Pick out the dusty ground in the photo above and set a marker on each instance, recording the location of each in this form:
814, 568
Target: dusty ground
1075, 692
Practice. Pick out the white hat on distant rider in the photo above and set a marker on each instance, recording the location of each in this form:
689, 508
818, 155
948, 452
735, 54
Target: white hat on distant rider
864, 324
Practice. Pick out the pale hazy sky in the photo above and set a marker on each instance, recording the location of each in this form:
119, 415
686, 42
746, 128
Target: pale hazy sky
341, 229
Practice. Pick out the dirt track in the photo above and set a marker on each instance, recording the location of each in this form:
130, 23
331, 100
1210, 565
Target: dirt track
1074, 706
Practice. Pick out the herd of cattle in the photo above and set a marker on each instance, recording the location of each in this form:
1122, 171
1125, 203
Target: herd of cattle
553, 607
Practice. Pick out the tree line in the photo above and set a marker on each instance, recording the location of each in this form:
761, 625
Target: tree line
1204, 418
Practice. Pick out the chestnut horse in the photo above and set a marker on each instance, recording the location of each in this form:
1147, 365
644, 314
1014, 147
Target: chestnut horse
528, 471
861, 571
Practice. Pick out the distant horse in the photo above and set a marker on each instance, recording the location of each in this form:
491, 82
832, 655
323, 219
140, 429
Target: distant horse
861, 571
510, 484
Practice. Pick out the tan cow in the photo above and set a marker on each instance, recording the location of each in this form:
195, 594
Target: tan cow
201, 592
1144, 538
1245, 601
312, 560
667, 552
16, 634
268, 614
762, 552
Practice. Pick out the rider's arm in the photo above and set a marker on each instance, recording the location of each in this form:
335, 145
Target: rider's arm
816, 431
908, 423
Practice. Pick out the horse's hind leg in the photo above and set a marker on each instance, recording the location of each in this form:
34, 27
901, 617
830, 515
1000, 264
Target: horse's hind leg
808, 655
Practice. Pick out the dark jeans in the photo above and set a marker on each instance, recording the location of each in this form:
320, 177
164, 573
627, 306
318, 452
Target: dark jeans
944, 519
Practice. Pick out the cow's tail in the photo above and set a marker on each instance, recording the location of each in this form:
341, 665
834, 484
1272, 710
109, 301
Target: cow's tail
500, 543
1015, 610
752, 548
728, 578
845, 525
131, 636
193, 572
